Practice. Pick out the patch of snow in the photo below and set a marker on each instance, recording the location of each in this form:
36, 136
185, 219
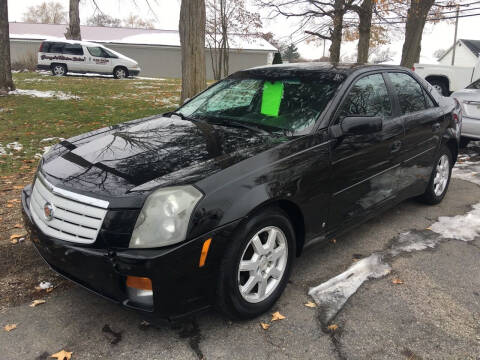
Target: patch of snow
43, 94
331, 295
467, 170
3, 152
412, 241
464, 227
334, 293
46, 149
45, 285
16, 146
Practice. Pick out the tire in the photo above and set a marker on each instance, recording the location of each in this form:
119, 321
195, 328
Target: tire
247, 304
440, 178
464, 142
440, 87
59, 69
120, 72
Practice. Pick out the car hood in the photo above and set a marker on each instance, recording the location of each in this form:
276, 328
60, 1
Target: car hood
143, 154
467, 94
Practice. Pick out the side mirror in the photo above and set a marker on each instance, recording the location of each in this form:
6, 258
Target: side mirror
357, 125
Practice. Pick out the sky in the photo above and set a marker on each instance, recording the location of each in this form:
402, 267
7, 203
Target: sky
165, 15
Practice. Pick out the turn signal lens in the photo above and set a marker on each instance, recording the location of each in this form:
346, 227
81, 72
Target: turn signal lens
141, 283
203, 255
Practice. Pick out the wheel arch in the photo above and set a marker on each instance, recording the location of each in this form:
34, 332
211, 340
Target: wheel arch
58, 63
294, 214
439, 78
123, 67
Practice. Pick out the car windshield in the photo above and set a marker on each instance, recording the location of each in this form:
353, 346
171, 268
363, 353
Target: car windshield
290, 105
474, 85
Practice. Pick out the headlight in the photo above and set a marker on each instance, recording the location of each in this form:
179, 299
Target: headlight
164, 217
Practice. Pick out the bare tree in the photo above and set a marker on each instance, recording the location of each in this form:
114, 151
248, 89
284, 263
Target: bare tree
225, 17
6, 82
192, 41
103, 20
46, 13
329, 13
73, 30
365, 12
134, 21
416, 18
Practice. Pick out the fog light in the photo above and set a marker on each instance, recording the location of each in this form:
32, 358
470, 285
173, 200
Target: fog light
139, 290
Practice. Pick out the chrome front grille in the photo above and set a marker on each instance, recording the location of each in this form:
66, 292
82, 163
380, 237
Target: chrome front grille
75, 217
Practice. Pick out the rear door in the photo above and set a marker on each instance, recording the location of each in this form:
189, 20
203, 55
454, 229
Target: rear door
98, 60
364, 166
424, 125
74, 56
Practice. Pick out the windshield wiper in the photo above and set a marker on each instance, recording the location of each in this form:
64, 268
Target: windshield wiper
242, 124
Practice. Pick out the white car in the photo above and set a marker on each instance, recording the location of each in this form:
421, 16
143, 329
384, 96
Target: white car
62, 56
470, 100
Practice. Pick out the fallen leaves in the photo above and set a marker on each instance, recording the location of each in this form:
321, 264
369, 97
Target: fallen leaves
15, 238
10, 327
277, 316
37, 302
310, 304
332, 327
62, 355
264, 326
397, 281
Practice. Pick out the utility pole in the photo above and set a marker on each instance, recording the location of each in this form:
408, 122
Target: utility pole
455, 39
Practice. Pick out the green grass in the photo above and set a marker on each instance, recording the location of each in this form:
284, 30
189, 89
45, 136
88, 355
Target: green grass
98, 102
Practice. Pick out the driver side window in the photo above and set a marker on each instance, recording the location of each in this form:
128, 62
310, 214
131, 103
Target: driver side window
367, 97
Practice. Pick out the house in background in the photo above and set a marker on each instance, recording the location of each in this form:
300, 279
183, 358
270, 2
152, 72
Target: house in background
466, 53
157, 51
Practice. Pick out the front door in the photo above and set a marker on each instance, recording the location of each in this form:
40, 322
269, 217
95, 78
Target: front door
98, 60
364, 167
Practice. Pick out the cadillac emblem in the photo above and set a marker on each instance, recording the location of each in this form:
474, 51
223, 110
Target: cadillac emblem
48, 211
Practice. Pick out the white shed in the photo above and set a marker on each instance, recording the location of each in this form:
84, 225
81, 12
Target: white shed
466, 53
157, 51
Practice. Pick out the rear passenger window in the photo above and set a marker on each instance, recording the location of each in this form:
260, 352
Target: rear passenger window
56, 48
411, 95
73, 49
368, 97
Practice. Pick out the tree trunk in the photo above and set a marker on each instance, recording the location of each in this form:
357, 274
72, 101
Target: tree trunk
6, 82
336, 36
192, 41
364, 30
73, 30
416, 17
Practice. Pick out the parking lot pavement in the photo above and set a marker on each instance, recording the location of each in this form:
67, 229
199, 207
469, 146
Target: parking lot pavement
433, 312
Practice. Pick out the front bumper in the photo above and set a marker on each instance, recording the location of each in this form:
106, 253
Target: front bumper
470, 127
180, 287
133, 72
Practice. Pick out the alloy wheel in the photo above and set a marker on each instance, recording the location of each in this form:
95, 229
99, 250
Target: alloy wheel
120, 73
262, 264
59, 70
442, 175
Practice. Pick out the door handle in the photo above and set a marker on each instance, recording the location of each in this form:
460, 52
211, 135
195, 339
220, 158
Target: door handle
396, 146
436, 127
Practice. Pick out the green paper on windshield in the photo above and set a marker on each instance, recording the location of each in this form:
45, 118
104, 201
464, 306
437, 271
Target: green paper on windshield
271, 98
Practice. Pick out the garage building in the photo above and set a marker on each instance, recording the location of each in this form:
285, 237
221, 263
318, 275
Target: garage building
157, 51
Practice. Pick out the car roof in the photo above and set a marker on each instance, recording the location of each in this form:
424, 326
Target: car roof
86, 43
312, 67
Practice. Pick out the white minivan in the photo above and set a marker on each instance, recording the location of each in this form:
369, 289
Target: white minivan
62, 56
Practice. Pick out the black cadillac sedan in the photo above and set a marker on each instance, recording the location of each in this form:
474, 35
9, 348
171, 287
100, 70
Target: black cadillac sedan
210, 204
